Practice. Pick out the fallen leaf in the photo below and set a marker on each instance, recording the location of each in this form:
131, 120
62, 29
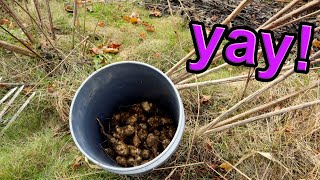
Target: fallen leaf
149, 28
96, 50
155, 13
142, 35
208, 146
115, 46
316, 43
133, 20
5, 22
226, 166
205, 99
101, 24
68, 8
110, 50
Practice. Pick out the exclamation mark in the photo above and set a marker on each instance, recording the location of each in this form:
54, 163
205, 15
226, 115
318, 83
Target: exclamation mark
302, 62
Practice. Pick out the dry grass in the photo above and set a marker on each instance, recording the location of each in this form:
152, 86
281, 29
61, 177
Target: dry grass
39, 146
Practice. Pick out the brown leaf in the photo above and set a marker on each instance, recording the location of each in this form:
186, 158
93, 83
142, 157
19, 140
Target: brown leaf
142, 35
96, 50
110, 50
5, 22
68, 8
101, 24
114, 46
316, 43
149, 28
205, 99
208, 146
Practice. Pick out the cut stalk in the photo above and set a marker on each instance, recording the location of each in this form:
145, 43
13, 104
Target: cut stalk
304, 8
264, 116
280, 13
16, 49
251, 97
213, 82
265, 106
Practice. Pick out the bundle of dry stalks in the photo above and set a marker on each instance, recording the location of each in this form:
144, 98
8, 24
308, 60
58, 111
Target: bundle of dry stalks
274, 22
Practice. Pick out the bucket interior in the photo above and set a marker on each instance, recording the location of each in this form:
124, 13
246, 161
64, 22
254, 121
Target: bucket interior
109, 88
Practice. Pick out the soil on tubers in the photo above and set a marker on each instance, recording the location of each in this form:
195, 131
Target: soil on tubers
137, 134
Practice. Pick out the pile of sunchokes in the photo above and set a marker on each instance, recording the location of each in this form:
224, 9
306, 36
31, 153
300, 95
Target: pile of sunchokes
137, 134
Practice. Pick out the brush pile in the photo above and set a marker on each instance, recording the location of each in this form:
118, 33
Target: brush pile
137, 134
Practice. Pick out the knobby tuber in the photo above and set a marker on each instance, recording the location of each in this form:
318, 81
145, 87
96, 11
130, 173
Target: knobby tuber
137, 134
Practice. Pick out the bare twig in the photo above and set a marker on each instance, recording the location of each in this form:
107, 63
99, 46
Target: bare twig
14, 16
50, 20
16, 49
293, 13
263, 116
27, 9
40, 28
23, 43
75, 14
36, 4
280, 13
247, 82
298, 19
236, 11
170, 9
204, 74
